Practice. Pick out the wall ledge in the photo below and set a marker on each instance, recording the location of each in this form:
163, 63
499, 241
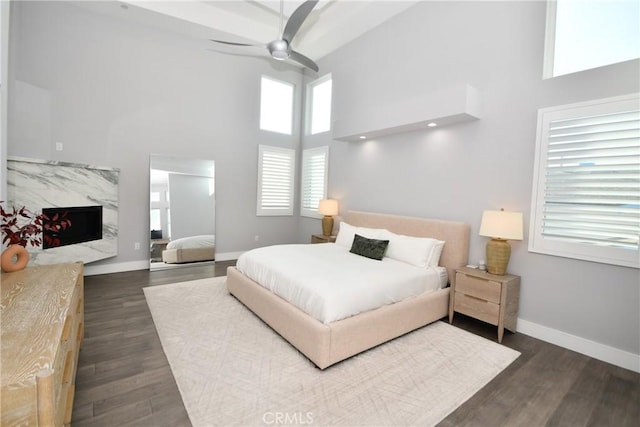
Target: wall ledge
444, 107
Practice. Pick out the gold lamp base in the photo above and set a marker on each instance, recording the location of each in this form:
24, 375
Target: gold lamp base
498, 254
327, 225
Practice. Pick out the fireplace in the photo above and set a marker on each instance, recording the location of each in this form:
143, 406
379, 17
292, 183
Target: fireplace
86, 225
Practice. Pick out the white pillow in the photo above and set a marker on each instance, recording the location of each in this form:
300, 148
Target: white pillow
347, 232
419, 251
436, 252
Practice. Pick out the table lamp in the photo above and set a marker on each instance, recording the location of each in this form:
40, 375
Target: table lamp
328, 208
500, 226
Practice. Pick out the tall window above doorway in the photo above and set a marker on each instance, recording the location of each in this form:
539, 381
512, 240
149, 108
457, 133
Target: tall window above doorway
276, 106
319, 105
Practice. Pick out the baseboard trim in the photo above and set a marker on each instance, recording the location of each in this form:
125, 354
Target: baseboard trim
599, 351
228, 256
119, 267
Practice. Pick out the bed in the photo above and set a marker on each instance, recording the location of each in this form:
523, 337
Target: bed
190, 249
328, 343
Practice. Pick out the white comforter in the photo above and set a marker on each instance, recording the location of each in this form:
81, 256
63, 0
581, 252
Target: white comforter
329, 283
193, 242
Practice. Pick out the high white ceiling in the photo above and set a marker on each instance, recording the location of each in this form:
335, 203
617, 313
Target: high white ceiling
330, 25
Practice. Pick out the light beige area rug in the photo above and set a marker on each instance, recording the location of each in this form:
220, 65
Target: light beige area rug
232, 369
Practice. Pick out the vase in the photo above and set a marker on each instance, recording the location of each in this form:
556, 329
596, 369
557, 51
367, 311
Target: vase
14, 258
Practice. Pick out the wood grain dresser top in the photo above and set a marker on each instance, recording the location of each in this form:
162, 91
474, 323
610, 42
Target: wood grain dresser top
34, 305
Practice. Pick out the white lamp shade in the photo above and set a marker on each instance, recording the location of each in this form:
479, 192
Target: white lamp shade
502, 225
328, 207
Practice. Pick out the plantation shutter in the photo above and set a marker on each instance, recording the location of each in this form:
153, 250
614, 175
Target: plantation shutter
314, 179
585, 202
275, 181
592, 192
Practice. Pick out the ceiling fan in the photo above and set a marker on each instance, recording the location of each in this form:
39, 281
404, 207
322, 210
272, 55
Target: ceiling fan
281, 48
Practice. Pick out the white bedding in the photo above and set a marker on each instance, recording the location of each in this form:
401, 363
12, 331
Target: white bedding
329, 283
204, 241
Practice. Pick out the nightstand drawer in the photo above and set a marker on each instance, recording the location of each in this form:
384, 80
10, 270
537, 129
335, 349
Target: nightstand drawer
483, 289
477, 308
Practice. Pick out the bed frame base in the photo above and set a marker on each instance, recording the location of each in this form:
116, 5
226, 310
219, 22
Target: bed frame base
326, 344
177, 256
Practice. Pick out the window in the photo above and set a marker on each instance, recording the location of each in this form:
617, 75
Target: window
155, 219
586, 189
276, 170
319, 105
315, 163
588, 34
276, 106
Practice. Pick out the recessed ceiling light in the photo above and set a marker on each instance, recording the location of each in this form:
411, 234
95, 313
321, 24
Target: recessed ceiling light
363, 137
432, 124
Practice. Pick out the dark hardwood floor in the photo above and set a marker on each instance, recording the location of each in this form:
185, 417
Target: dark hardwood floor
124, 378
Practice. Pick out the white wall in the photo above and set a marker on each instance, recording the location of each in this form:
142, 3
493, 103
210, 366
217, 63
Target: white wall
457, 172
116, 92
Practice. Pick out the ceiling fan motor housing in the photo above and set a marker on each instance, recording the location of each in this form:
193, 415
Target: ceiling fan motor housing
279, 49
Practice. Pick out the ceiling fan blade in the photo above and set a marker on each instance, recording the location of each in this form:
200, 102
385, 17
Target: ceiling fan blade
234, 43
300, 58
296, 19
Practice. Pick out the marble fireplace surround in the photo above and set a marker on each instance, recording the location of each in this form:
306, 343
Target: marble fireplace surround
39, 184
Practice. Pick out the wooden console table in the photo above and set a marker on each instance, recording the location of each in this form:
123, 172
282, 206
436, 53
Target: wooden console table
42, 313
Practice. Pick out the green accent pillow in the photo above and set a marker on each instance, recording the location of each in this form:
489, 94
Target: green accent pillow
370, 248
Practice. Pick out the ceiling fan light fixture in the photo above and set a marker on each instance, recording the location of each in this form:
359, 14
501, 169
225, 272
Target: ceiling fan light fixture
280, 55
279, 49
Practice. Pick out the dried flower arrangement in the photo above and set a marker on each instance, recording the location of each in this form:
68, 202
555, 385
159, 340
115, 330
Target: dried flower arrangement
22, 227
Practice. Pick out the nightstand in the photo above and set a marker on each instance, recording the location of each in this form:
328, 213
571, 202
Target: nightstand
487, 297
319, 238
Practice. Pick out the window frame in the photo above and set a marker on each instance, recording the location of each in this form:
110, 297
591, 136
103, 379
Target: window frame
290, 154
307, 154
549, 61
583, 251
263, 106
309, 104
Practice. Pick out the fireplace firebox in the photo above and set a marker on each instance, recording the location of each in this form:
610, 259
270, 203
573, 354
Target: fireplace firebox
86, 225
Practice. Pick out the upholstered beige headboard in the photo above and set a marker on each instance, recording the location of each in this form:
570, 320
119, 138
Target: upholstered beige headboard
455, 234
